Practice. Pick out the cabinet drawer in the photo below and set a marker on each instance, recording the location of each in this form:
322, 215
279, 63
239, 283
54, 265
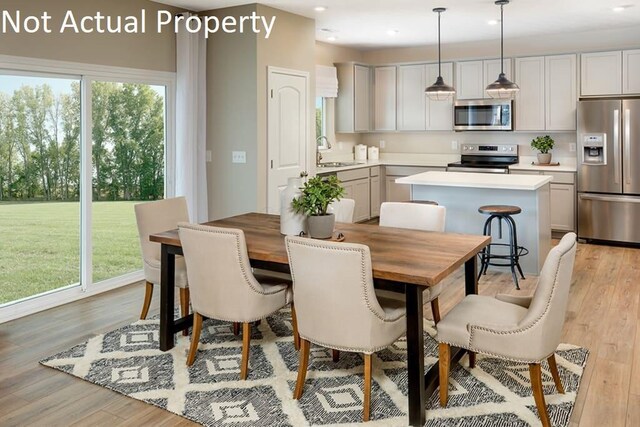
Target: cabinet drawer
409, 170
524, 172
374, 171
562, 177
352, 174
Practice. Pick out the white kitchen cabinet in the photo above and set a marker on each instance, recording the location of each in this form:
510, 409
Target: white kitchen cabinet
601, 73
530, 99
631, 72
561, 92
353, 105
362, 196
375, 198
492, 71
470, 80
412, 101
396, 192
385, 98
439, 114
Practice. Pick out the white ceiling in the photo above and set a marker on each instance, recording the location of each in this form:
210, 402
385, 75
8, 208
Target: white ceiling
365, 23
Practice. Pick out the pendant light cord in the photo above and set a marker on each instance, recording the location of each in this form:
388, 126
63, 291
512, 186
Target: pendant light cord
439, 48
501, 39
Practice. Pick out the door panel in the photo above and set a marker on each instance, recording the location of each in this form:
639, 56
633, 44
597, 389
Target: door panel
605, 217
631, 146
440, 113
602, 116
288, 132
411, 98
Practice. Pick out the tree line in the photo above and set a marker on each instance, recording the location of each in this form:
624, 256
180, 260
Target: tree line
40, 143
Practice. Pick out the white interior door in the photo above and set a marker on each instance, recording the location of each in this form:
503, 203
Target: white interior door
288, 123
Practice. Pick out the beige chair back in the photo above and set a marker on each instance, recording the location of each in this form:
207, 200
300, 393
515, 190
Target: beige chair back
220, 279
335, 301
414, 216
343, 210
156, 217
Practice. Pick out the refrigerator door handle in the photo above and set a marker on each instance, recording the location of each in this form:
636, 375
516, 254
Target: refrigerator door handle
626, 167
600, 198
616, 146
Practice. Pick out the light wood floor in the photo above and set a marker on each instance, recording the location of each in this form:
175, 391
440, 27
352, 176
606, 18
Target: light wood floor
603, 316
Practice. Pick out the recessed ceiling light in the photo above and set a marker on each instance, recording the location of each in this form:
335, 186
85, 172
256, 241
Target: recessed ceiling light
619, 9
320, 8
392, 32
332, 38
493, 22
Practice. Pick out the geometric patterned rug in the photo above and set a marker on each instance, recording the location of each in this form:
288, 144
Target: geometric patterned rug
127, 360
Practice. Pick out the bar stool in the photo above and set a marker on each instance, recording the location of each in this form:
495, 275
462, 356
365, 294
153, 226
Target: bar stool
512, 259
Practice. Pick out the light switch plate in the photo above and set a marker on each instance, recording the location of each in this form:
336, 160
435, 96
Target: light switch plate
382, 144
208, 156
454, 145
572, 147
239, 157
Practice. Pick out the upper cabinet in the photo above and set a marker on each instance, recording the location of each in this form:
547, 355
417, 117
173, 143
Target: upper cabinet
601, 73
631, 71
472, 77
353, 111
548, 93
385, 98
415, 110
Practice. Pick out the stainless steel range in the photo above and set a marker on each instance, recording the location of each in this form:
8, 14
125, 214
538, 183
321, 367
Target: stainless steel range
485, 158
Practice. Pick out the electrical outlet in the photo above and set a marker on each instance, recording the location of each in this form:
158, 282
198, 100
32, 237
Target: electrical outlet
572, 147
382, 144
208, 156
239, 157
454, 145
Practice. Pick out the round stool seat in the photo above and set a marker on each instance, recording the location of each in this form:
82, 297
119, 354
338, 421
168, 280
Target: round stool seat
499, 210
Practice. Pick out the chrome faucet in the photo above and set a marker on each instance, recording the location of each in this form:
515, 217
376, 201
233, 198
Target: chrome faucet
318, 143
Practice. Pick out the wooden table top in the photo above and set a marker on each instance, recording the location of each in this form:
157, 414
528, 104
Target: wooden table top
399, 255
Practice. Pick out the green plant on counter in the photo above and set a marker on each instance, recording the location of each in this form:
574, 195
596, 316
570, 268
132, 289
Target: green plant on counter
543, 143
317, 195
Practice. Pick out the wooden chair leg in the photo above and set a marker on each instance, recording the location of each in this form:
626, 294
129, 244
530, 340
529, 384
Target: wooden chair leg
294, 324
536, 384
184, 306
367, 387
443, 362
335, 355
435, 309
472, 359
246, 341
148, 294
236, 328
195, 338
302, 368
553, 367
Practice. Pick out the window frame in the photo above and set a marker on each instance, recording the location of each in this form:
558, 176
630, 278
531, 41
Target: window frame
87, 74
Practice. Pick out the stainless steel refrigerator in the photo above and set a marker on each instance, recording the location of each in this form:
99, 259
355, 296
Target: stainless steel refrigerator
609, 170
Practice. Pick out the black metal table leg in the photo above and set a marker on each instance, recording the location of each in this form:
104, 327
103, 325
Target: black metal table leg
167, 297
415, 355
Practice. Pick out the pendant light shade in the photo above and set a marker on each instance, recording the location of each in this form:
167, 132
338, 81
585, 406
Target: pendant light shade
503, 88
440, 91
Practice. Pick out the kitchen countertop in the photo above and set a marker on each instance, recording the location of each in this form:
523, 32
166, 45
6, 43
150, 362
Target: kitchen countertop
419, 160
477, 180
566, 165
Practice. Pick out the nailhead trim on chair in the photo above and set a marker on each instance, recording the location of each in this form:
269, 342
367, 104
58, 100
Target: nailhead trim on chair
364, 272
515, 331
350, 349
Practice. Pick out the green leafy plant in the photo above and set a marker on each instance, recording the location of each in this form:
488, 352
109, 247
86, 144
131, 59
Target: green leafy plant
317, 195
543, 143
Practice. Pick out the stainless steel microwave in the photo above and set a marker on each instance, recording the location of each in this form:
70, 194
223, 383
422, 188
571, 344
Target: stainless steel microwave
483, 114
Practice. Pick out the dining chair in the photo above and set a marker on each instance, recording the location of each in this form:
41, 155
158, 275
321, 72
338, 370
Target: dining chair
336, 278
514, 328
343, 210
223, 286
415, 216
156, 217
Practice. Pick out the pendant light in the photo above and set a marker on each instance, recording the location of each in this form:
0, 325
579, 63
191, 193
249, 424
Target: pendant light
502, 88
439, 91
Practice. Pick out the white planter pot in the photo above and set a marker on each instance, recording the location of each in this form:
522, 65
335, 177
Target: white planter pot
291, 223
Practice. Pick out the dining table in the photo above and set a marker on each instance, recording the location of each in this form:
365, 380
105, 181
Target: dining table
403, 261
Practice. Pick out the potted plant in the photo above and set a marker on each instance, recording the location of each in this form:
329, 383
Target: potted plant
317, 195
543, 144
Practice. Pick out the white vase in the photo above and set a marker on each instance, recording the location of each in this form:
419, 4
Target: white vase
291, 223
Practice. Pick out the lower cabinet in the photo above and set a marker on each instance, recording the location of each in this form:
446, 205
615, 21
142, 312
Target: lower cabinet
375, 198
356, 184
402, 192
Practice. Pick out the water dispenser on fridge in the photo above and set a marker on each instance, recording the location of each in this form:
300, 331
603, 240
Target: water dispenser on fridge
594, 149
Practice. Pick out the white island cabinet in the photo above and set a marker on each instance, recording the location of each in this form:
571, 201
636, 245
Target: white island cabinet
463, 193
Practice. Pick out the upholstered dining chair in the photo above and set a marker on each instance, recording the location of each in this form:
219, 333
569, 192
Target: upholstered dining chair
156, 217
338, 276
343, 210
415, 216
223, 286
514, 328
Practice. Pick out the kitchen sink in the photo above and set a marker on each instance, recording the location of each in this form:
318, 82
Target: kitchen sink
337, 164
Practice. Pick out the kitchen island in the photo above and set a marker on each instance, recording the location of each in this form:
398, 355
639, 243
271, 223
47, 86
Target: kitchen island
463, 193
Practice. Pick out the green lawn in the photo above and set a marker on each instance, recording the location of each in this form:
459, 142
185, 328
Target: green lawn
40, 245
